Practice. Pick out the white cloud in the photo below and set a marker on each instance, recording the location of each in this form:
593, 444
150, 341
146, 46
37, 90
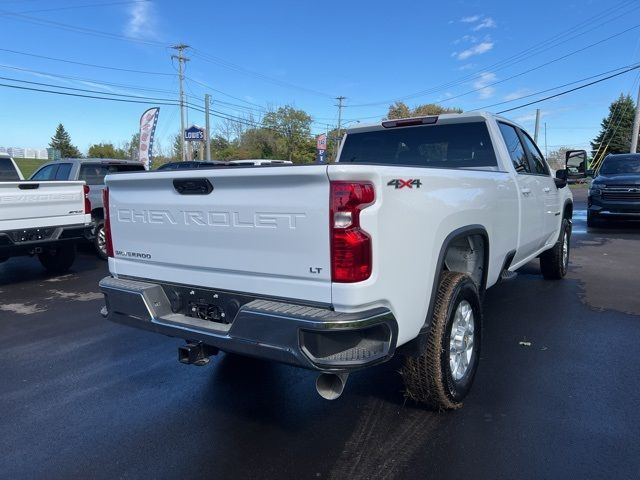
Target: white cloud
529, 117
516, 94
478, 49
471, 19
466, 38
466, 66
142, 21
487, 22
483, 84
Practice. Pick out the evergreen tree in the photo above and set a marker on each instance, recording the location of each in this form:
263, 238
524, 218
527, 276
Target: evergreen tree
615, 132
62, 142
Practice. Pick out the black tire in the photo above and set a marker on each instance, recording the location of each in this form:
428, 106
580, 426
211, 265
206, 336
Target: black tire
592, 220
555, 261
58, 259
428, 377
99, 242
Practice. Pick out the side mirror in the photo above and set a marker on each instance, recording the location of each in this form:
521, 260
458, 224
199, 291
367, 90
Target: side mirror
561, 178
576, 164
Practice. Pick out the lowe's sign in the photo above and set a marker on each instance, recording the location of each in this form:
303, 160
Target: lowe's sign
194, 134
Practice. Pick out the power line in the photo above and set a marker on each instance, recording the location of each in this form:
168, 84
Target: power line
237, 68
514, 59
74, 7
84, 64
557, 87
557, 59
81, 30
69, 94
571, 90
86, 90
86, 80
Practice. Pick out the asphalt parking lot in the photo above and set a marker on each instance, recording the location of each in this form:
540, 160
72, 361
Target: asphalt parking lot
81, 397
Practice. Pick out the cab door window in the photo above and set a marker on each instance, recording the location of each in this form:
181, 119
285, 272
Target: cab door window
516, 150
46, 173
538, 164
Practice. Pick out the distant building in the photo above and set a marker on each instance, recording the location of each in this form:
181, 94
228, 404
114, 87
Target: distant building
16, 152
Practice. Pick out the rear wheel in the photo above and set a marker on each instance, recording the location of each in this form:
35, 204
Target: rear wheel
58, 259
555, 261
100, 240
442, 375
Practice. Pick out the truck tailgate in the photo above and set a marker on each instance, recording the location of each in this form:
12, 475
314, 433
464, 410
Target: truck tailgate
29, 204
262, 231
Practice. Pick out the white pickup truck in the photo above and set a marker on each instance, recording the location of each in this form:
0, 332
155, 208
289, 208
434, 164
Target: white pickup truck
42, 218
339, 267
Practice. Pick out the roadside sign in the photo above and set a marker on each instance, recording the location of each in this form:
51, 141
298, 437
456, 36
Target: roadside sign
194, 134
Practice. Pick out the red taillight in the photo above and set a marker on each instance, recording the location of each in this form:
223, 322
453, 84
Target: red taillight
107, 222
87, 202
350, 245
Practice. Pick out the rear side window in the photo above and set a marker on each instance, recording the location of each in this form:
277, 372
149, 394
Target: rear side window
94, 173
453, 145
516, 150
46, 173
64, 169
7, 171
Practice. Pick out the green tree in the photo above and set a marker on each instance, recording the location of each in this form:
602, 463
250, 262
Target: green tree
177, 147
106, 150
401, 110
62, 142
615, 131
292, 126
133, 146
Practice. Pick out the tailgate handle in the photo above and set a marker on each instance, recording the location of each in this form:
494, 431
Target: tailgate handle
193, 186
28, 186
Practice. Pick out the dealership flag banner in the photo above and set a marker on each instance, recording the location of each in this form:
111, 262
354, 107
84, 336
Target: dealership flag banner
321, 148
148, 122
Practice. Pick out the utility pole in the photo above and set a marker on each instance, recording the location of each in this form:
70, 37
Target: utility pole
207, 132
636, 126
340, 105
535, 134
181, 47
546, 154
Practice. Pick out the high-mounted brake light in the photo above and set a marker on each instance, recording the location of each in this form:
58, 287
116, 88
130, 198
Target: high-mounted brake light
87, 202
408, 122
107, 222
351, 256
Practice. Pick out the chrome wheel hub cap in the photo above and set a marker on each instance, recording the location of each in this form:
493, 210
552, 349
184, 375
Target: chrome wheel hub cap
565, 251
102, 240
461, 342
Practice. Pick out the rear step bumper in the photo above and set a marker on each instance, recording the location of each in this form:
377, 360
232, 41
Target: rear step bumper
308, 337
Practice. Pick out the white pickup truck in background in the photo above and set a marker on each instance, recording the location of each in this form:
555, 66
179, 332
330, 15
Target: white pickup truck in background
42, 218
339, 267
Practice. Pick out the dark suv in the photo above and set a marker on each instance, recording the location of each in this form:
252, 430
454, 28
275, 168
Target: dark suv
615, 191
92, 171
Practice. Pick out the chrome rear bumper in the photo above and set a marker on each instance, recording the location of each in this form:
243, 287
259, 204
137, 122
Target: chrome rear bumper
308, 337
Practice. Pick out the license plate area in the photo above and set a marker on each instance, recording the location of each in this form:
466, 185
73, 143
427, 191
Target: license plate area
214, 306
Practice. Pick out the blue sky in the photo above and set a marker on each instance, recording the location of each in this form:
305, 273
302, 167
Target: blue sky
267, 54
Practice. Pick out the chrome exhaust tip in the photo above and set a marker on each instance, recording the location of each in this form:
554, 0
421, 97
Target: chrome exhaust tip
331, 385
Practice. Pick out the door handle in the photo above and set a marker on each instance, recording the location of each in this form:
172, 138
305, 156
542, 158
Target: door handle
526, 191
546, 189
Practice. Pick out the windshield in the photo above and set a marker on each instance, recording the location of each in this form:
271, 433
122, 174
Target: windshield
615, 165
454, 145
